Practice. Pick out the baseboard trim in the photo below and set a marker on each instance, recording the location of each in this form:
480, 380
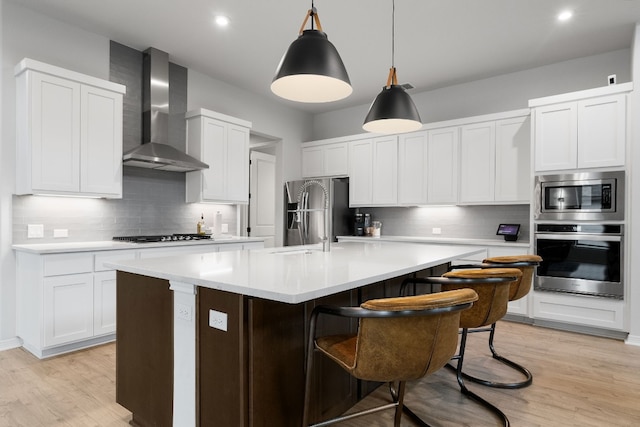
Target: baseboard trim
633, 340
587, 330
14, 342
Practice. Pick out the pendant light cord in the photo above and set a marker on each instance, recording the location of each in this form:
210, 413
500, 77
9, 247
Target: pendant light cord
393, 34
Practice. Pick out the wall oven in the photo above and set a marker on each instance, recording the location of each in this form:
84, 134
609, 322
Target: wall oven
586, 196
583, 259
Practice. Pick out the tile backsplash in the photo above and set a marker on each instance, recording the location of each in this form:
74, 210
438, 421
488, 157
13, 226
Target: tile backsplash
153, 202
472, 222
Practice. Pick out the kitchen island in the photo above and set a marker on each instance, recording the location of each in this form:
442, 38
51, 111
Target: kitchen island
218, 338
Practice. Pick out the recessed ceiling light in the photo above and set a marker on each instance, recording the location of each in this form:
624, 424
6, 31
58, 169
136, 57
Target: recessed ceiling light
565, 15
222, 20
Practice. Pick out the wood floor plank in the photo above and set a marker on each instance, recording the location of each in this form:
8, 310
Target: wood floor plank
579, 380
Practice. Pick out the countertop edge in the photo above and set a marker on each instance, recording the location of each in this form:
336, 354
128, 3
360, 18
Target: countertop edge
109, 245
437, 240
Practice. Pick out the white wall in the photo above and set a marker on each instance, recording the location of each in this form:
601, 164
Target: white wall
492, 95
633, 223
29, 34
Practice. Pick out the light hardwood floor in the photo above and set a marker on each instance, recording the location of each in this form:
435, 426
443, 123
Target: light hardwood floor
579, 380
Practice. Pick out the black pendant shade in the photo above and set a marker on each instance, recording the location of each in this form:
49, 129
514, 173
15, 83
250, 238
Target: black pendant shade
393, 111
311, 70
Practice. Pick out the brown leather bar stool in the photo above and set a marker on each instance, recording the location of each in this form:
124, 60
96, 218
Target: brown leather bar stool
525, 263
492, 286
398, 339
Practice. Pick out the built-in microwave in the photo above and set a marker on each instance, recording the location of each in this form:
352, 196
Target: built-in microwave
584, 196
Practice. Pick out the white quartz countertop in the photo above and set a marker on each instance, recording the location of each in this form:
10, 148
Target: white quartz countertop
296, 274
437, 240
108, 245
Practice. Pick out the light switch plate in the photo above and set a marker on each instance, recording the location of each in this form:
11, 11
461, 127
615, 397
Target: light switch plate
218, 320
436, 230
35, 231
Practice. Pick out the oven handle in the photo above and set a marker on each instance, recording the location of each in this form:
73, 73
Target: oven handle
596, 237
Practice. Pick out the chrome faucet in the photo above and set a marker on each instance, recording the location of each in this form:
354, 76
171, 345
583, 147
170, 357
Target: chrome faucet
326, 244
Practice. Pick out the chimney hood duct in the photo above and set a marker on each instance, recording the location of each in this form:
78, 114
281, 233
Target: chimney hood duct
155, 153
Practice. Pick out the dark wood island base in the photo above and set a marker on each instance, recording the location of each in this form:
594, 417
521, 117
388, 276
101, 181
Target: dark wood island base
252, 374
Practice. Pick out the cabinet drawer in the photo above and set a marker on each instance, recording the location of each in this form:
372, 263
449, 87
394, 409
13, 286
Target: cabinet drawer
56, 265
103, 257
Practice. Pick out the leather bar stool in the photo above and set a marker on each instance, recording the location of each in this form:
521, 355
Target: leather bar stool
398, 339
525, 263
492, 286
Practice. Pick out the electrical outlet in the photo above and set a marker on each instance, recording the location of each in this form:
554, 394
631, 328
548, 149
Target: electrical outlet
35, 231
436, 230
60, 232
218, 320
184, 312
224, 228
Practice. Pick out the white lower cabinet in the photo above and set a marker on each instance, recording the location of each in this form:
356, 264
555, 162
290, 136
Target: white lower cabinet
579, 310
104, 303
67, 301
68, 308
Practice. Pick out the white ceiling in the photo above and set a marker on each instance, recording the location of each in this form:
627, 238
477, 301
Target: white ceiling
438, 42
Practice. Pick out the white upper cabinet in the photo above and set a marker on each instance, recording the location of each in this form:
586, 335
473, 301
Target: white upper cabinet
325, 160
373, 171
494, 161
428, 167
581, 130
69, 132
222, 142
477, 162
513, 160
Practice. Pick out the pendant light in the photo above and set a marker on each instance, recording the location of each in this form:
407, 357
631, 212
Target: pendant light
311, 70
393, 110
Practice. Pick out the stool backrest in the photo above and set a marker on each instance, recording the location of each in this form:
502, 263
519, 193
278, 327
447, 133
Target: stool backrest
415, 335
526, 263
492, 290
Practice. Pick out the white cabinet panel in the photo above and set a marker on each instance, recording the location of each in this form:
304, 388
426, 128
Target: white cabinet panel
442, 166
580, 310
360, 171
513, 171
222, 142
601, 131
104, 303
385, 171
412, 168
325, 160
586, 132
69, 132
556, 137
61, 264
477, 162
68, 308
101, 136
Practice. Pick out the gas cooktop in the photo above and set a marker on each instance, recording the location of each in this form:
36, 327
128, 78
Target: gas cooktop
162, 238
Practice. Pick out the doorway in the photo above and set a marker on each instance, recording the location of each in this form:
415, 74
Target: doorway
260, 215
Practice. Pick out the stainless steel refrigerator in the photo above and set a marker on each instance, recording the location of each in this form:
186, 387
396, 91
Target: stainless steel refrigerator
305, 210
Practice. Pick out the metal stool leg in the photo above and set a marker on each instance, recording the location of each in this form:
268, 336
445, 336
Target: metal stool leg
514, 385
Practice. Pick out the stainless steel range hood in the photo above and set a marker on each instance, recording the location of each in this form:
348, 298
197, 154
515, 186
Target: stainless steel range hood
155, 152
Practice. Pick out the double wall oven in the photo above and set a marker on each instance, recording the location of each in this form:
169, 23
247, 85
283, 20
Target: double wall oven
579, 233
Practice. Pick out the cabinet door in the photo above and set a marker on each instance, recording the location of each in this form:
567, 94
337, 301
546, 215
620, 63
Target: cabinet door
101, 142
214, 154
55, 134
104, 303
601, 131
442, 166
556, 137
237, 165
336, 159
68, 308
412, 168
512, 182
360, 171
312, 161
385, 171
477, 163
